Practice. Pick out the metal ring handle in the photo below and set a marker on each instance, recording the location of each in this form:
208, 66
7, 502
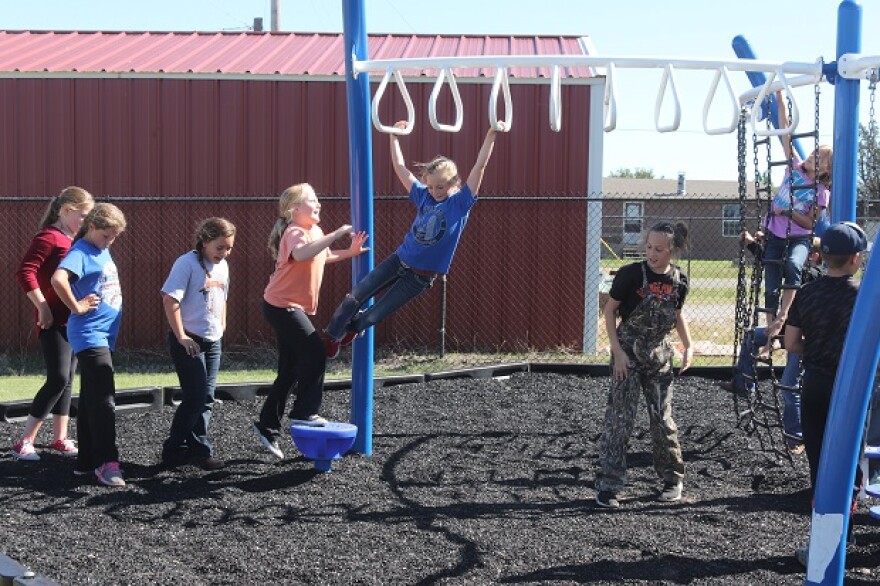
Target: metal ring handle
410, 111
500, 83
456, 97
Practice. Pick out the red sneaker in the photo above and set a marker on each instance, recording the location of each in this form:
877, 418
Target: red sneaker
331, 347
65, 447
348, 338
24, 450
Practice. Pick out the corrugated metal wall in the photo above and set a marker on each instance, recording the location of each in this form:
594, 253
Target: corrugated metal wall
166, 138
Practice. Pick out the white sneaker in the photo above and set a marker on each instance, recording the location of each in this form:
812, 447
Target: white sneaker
270, 445
671, 491
310, 421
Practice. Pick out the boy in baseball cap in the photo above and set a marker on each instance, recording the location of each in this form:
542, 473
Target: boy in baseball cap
816, 329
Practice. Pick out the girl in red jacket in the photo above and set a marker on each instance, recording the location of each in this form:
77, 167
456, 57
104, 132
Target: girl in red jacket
60, 223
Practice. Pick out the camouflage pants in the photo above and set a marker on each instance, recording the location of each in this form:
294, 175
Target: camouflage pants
620, 415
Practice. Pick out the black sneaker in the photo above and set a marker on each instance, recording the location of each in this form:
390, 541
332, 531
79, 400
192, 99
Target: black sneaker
211, 463
271, 445
174, 459
732, 388
671, 491
607, 500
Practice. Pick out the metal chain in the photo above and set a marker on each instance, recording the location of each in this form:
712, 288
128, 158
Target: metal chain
742, 311
874, 167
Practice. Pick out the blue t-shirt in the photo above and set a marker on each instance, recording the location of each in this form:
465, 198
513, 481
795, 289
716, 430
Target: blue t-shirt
93, 271
431, 241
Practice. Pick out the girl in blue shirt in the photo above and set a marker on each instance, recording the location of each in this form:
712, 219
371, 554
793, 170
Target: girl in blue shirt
443, 205
88, 283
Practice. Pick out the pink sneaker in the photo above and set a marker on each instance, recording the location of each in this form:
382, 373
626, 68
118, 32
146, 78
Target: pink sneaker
65, 447
109, 474
24, 450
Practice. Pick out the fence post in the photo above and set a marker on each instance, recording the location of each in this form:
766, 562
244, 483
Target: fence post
442, 316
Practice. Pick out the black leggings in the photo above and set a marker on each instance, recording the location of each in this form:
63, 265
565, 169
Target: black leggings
54, 396
301, 364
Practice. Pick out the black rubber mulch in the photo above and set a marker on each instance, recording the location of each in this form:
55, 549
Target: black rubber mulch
470, 482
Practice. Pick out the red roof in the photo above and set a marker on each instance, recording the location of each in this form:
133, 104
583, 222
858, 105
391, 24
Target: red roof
146, 54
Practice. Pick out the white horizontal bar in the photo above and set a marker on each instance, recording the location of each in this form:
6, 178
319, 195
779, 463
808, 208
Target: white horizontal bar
798, 81
630, 62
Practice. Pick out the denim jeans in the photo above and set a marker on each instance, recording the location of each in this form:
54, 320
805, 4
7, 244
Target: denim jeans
198, 381
791, 402
402, 285
789, 272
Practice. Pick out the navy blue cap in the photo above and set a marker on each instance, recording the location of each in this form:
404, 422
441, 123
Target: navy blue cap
844, 239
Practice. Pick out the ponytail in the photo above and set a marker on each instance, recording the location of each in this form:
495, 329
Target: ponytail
75, 197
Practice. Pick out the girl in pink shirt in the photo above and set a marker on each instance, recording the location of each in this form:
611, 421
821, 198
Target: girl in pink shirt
300, 249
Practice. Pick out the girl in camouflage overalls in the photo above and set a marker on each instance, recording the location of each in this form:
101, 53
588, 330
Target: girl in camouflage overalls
647, 296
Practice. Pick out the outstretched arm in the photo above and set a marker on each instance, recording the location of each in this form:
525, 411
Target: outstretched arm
476, 177
302, 250
782, 122
405, 175
355, 248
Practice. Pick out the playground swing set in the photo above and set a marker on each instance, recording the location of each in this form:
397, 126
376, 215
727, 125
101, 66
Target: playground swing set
862, 348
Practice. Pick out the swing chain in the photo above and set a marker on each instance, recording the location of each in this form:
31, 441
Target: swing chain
873, 181
742, 311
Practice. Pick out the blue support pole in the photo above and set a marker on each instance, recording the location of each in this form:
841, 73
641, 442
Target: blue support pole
855, 371
846, 117
743, 50
360, 154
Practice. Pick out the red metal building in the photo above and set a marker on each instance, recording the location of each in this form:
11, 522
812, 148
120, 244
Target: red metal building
224, 118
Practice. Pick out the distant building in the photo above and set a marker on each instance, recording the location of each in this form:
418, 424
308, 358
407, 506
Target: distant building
711, 210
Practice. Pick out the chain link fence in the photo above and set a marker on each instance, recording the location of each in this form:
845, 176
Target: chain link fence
528, 276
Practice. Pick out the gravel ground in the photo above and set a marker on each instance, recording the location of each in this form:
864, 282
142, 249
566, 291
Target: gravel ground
471, 482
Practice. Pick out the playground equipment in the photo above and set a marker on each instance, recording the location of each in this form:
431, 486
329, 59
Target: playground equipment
860, 357
762, 416
323, 444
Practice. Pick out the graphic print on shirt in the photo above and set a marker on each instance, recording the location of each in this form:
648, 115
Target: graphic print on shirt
803, 198
211, 290
429, 226
658, 290
108, 286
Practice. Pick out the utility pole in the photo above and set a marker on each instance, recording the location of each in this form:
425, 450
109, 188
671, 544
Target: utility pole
276, 16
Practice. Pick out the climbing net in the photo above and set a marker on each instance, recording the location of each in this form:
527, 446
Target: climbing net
760, 411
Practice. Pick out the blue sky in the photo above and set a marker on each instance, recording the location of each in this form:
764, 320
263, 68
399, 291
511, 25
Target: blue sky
778, 31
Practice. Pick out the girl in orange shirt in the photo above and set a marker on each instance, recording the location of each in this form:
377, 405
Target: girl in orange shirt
300, 249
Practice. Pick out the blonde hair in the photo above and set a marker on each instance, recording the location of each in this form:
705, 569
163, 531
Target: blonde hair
292, 195
823, 176
102, 217
209, 230
442, 167
73, 196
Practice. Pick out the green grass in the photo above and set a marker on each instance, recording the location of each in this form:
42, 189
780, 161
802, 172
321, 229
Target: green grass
24, 386
696, 269
22, 376
712, 295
